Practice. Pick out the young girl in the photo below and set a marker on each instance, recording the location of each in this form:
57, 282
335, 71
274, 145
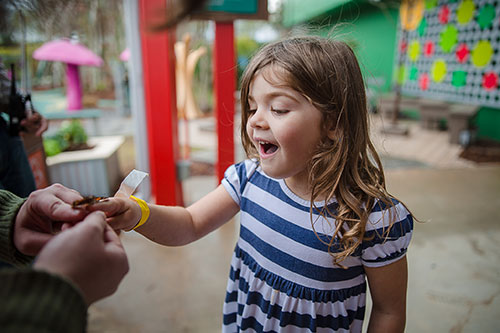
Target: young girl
316, 218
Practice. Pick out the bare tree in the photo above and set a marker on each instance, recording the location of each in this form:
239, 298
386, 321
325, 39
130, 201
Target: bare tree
96, 23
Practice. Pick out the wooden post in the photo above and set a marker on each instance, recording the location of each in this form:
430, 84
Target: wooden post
225, 86
33, 145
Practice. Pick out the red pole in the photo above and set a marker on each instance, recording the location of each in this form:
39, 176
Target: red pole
161, 110
224, 85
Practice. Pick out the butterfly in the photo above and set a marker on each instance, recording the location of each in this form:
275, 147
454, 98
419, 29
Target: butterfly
87, 201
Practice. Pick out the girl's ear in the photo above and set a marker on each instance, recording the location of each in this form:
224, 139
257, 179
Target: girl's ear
335, 136
331, 134
332, 128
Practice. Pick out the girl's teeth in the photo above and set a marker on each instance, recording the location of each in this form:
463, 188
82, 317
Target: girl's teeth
268, 148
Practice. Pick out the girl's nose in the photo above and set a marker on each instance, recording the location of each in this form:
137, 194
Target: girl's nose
258, 120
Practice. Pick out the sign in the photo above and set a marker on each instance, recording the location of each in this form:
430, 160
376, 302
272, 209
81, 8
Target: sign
230, 10
449, 50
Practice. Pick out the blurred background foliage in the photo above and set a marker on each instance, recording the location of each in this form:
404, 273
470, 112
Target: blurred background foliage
70, 136
98, 24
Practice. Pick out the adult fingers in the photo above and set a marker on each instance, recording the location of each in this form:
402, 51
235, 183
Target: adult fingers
65, 226
93, 224
66, 195
54, 203
61, 211
32, 242
115, 250
110, 236
43, 126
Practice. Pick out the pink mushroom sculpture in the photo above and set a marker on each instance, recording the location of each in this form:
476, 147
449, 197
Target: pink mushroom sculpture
73, 54
125, 55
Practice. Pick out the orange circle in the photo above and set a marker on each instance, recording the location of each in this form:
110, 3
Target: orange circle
411, 13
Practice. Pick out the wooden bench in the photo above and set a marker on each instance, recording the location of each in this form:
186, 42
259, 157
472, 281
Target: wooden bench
386, 104
432, 112
459, 118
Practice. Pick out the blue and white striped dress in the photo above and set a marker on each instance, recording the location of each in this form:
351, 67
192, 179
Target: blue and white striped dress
282, 278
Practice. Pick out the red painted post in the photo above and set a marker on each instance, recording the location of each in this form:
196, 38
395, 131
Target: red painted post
161, 110
224, 85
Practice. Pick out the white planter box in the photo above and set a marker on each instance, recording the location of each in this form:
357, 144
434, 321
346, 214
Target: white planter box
91, 171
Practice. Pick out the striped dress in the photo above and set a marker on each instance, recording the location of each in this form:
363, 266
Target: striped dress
282, 278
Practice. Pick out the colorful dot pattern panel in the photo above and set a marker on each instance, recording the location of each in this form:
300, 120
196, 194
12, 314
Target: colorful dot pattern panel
453, 53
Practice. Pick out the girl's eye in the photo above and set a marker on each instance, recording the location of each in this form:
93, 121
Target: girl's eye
278, 111
252, 111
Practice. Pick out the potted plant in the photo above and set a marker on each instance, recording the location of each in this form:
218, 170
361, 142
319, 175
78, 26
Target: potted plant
70, 136
88, 165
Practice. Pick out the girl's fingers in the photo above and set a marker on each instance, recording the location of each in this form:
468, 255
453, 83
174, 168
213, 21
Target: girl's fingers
111, 207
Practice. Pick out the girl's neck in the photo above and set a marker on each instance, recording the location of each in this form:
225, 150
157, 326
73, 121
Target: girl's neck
300, 186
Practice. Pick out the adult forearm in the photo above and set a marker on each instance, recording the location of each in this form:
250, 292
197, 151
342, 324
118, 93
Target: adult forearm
9, 206
35, 301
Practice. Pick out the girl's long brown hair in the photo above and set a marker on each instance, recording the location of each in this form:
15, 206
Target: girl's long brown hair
345, 166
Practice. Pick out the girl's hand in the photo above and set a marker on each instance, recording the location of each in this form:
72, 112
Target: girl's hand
122, 213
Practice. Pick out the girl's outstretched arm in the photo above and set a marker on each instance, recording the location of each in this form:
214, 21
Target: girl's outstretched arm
388, 286
169, 225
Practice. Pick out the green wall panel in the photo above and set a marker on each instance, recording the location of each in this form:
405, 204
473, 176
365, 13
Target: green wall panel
299, 11
488, 123
368, 28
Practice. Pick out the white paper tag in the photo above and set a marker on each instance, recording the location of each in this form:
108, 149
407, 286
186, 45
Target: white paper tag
132, 182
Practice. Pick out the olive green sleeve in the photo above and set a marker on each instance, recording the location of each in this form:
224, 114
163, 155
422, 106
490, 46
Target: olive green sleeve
9, 206
36, 301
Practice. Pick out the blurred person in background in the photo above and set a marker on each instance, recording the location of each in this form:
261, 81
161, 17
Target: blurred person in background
15, 171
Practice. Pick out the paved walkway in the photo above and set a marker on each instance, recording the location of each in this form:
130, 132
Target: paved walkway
429, 147
454, 258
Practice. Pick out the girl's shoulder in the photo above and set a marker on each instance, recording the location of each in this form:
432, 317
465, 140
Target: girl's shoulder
385, 215
250, 164
243, 170
387, 235
237, 176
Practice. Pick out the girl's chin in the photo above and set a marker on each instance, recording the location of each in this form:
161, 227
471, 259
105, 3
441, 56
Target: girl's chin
272, 171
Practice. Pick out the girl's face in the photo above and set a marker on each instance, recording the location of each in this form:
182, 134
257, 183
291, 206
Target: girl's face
284, 128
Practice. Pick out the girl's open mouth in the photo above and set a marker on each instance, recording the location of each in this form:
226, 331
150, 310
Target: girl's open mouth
267, 148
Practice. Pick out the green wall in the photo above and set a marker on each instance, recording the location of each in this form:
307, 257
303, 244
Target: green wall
368, 28
488, 123
300, 11
372, 35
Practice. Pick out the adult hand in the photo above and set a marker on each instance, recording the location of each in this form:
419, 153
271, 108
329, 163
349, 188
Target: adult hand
90, 254
34, 124
43, 212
